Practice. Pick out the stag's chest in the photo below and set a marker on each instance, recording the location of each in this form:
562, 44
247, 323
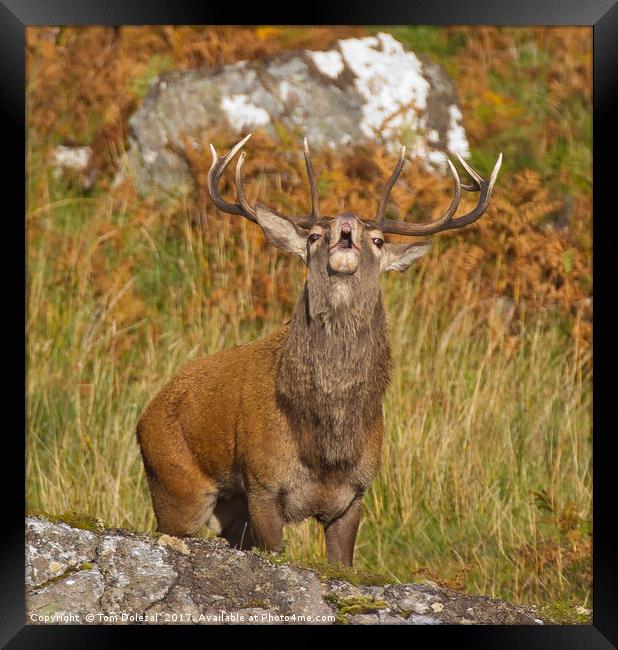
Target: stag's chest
324, 500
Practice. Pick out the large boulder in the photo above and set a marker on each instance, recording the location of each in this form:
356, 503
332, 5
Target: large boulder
97, 575
363, 89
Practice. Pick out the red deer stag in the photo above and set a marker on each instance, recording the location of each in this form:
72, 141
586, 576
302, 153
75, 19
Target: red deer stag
290, 426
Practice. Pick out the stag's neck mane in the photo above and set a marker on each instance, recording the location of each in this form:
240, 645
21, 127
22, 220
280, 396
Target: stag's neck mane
333, 372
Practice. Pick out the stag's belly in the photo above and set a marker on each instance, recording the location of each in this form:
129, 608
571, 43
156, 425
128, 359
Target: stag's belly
315, 499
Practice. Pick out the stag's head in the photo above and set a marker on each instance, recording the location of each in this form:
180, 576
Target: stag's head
347, 251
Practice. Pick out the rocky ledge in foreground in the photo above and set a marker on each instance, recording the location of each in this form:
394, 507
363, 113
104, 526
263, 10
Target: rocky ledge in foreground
96, 575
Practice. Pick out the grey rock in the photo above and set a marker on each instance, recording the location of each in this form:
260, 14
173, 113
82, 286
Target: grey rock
52, 551
363, 89
137, 574
418, 619
116, 577
75, 596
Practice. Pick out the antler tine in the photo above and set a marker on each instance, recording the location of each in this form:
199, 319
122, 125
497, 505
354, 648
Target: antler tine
243, 207
240, 189
389, 186
476, 179
214, 174
485, 188
447, 222
405, 228
315, 208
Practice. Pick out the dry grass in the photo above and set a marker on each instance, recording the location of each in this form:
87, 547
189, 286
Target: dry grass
483, 413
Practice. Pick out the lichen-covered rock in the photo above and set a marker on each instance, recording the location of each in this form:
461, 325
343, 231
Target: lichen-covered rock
70, 599
362, 89
54, 550
137, 573
114, 577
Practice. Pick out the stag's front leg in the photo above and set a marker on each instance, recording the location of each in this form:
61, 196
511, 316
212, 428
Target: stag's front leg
341, 534
266, 520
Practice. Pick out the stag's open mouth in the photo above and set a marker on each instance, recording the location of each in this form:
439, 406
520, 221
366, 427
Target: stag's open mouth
345, 243
343, 258
344, 254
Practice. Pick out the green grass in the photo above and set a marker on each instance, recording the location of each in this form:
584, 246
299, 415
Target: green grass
157, 65
479, 417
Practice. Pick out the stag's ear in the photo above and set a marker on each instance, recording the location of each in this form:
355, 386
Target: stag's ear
281, 232
398, 257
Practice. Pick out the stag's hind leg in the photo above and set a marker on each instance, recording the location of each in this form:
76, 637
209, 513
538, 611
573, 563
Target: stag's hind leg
181, 512
183, 498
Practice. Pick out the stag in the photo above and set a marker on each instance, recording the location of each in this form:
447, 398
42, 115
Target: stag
290, 426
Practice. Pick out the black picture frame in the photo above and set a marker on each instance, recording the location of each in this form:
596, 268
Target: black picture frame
602, 15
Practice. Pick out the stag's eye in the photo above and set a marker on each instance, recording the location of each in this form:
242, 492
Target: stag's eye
379, 242
313, 237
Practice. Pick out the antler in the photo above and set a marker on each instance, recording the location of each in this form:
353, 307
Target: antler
214, 174
243, 207
446, 221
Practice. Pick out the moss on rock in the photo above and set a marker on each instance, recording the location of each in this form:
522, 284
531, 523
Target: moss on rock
327, 571
84, 566
339, 572
75, 519
350, 605
565, 614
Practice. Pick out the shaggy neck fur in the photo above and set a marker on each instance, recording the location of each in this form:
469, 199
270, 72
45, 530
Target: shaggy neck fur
334, 369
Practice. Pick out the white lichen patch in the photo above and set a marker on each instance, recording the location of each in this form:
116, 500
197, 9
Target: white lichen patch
284, 90
328, 63
418, 148
150, 156
436, 158
389, 79
242, 114
75, 158
456, 140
